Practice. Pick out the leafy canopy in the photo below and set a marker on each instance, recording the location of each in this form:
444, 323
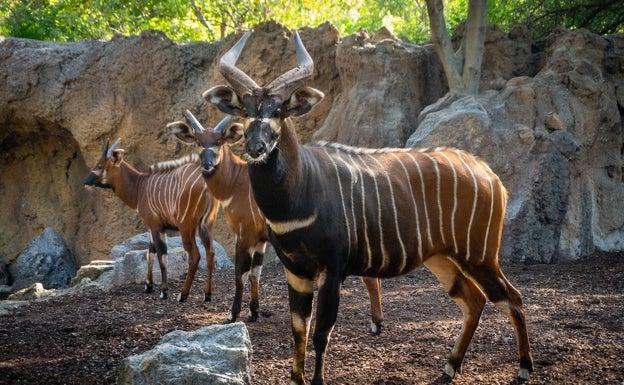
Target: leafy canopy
184, 20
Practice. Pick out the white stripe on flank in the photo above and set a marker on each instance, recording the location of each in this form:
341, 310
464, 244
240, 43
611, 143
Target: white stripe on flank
384, 252
288, 226
487, 229
159, 200
396, 215
252, 206
159, 187
198, 178
344, 209
151, 195
409, 183
441, 214
177, 196
202, 195
171, 193
381, 243
365, 230
354, 181
178, 202
424, 196
474, 204
454, 200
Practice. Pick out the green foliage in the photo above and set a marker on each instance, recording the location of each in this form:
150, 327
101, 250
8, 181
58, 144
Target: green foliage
543, 16
183, 20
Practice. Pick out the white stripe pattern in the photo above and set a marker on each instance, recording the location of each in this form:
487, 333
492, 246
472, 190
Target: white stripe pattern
405, 205
382, 246
166, 186
416, 219
396, 217
454, 200
474, 203
342, 200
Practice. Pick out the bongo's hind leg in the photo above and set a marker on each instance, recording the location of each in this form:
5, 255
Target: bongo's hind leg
373, 286
470, 300
508, 299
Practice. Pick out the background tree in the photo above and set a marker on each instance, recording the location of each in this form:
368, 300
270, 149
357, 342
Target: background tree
462, 67
184, 20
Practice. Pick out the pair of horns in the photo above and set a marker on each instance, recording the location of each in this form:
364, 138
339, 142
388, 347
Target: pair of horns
283, 85
108, 151
199, 128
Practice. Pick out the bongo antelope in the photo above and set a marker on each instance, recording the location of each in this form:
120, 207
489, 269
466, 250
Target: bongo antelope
225, 174
171, 196
335, 210
227, 178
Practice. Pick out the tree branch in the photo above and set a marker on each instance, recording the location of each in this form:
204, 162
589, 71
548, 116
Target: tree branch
442, 45
474, 39
200, 17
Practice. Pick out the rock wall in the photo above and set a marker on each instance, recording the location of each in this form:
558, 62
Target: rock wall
61, 101
556, 141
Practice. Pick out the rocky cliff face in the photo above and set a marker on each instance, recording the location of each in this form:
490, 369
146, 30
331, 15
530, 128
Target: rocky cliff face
556, 141
61, 101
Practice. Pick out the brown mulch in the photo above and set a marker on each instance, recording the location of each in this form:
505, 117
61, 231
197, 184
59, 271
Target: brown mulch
575, 313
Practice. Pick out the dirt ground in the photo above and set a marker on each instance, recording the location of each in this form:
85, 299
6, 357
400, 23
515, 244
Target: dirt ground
575, 313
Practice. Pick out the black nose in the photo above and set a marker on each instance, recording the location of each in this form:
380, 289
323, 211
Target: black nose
255, 148
91, 179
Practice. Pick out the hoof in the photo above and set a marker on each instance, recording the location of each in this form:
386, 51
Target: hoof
375, 328
523, 376
297, 379
149, 288
163, 295
252, 317
207, 297
182, 298
229, 320
447, 374
444, 379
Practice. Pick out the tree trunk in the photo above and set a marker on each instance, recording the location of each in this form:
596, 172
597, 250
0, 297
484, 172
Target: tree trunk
442, 44
473, 45
462, 68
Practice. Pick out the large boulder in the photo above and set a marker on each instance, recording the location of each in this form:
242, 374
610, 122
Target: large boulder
131, 264
130, 260
217, 354
47, 260
556, 142
94, 271
385, 83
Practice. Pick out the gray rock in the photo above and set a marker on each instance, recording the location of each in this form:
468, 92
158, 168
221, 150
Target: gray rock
118, 251
46, 259
132, 266
141, 242
35, 291
137, 242
217, 354
4, 273
93, 271
385, 83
